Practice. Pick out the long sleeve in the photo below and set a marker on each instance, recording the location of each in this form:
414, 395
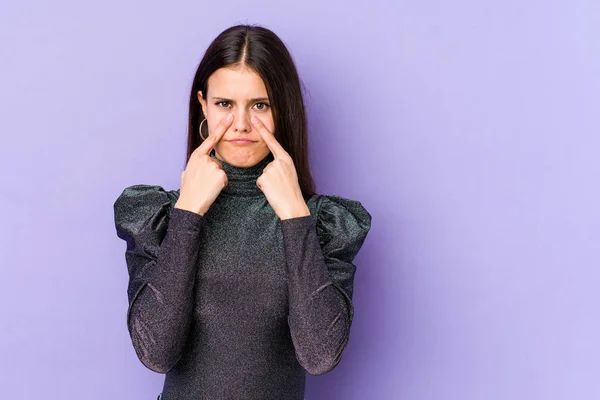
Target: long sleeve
319, 251
161, 258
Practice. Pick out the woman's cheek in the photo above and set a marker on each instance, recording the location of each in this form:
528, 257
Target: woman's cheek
215, 121
268, 121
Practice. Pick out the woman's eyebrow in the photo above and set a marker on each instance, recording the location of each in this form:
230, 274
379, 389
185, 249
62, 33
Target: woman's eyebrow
249, 101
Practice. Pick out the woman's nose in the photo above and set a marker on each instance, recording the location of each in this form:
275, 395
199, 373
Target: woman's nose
241, 123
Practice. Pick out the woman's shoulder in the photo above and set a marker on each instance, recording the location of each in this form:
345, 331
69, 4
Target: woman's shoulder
138, 204
135, 197
329, 205
339, 217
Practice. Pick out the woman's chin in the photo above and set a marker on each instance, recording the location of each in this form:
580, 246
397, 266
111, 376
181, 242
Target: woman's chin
239, 157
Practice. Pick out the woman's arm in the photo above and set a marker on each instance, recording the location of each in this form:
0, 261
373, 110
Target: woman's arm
161, 316
320, 280
319, 315
161, 256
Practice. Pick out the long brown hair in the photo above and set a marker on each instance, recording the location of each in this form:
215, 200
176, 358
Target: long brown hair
261, 50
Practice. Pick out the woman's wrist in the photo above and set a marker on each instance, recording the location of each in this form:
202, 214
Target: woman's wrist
182, 204
297, 212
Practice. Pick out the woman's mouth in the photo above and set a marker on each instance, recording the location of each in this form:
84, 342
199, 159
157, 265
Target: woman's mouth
241, 141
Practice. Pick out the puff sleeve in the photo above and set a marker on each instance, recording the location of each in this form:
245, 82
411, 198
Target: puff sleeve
161, 257
319, 252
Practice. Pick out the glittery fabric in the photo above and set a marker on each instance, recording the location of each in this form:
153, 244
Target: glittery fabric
238, 304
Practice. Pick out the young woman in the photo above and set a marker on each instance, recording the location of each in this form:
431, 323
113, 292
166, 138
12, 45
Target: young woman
241, 280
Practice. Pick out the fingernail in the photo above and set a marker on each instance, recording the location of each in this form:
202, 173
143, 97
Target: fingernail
229, 117
254, 119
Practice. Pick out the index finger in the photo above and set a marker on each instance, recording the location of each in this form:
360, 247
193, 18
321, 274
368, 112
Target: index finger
214, 138
272, 143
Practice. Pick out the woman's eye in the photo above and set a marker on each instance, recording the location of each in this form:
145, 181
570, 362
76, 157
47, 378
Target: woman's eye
263, 106
222, 103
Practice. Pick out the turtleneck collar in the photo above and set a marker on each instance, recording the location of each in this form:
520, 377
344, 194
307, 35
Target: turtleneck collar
242, 181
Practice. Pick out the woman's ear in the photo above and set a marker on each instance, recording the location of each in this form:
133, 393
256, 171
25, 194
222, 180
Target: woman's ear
202, 102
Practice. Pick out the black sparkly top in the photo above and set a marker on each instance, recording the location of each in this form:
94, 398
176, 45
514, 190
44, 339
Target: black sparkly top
238, 304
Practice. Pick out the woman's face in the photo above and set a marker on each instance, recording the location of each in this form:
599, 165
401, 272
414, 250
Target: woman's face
242, 92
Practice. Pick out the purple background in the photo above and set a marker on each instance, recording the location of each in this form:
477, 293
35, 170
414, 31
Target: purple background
469, 130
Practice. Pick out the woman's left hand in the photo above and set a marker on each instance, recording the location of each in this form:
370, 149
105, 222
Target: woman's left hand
279, 180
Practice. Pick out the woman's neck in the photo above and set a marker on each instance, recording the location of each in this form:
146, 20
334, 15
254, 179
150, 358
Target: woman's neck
241, 181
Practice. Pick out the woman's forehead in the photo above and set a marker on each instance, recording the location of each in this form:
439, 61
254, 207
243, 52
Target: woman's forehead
240, 83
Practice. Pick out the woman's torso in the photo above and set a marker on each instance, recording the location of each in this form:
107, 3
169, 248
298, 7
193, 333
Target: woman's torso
239, 345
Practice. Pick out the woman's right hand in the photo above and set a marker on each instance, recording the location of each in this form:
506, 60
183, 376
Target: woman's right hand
203, 178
